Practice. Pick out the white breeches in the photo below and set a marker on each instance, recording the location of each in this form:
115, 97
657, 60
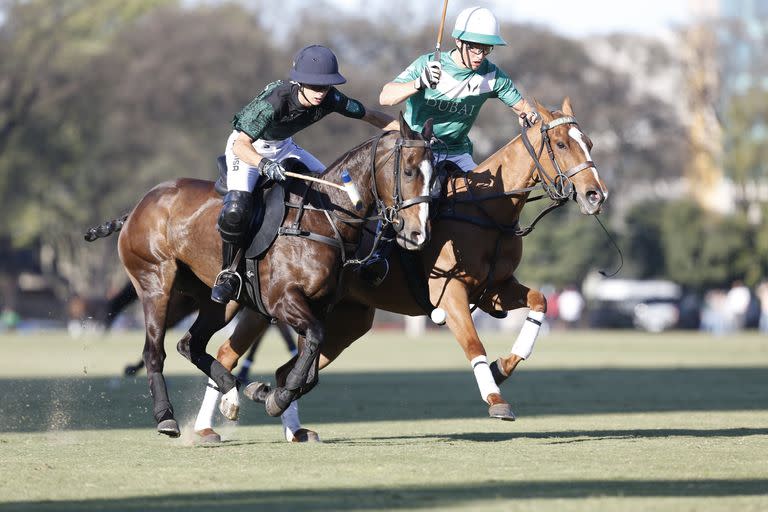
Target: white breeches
464, 161
241, 176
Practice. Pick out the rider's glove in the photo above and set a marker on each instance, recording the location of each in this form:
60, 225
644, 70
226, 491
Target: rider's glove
430, 75
532, 117
271, 169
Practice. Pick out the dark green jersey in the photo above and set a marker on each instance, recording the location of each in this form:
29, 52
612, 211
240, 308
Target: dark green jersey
276, 113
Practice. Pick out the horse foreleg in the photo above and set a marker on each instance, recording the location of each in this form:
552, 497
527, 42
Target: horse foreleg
347, 322
455, 301
512, 295
295, 311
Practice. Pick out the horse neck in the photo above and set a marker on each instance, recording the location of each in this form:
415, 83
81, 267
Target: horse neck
357, 163
508, 169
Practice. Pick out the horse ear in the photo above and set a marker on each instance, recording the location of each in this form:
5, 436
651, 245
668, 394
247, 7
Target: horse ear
426, 132
405, 130
544, 112
567, 109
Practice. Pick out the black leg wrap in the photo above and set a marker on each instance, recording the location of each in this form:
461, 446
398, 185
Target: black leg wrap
207, 363
278, 401
498, 376
297, 378
162, 408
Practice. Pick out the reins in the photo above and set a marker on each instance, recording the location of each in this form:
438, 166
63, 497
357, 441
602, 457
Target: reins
385, 215
558, 188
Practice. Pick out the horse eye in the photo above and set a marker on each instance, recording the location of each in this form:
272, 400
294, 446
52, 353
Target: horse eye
408, 171
561, 145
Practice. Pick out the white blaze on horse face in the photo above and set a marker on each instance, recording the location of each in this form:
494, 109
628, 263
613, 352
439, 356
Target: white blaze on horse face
426, 171
578, 136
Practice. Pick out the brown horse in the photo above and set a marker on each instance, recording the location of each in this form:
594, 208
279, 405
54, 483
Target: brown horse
169, 246
475, 248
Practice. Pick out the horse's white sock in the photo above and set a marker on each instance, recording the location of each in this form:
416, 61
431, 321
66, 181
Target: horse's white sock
484, 377
205, 415
523, 346
290, 419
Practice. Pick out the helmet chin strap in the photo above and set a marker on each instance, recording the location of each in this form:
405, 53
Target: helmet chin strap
461, 53
301, 91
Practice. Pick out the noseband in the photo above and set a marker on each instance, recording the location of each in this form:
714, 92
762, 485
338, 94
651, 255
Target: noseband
391, 214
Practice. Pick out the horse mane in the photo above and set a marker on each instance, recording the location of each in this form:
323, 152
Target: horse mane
354, 152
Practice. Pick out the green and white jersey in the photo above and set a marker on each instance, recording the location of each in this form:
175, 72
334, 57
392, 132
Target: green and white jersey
455, 103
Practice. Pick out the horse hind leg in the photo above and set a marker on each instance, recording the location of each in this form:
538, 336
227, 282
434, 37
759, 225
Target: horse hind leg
211, 318
154, 300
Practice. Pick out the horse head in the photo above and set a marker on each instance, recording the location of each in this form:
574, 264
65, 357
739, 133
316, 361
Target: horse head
569, 171
402, 177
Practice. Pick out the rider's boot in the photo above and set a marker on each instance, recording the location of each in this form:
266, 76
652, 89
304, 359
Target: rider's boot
375, 270
228, 282
233, 222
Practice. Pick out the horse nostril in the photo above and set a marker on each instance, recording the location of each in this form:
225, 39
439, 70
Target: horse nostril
415, 236
594, 197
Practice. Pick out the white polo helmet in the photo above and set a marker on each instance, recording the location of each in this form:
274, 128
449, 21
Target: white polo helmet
478, 25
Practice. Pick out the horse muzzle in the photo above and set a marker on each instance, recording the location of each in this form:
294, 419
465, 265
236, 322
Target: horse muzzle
591, 201
413, 239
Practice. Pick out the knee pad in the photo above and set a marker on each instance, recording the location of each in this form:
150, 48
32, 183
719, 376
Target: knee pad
235, 215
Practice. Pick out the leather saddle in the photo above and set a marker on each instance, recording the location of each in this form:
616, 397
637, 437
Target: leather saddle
268, 210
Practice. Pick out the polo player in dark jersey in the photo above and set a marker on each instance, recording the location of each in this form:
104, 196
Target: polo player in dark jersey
262, 138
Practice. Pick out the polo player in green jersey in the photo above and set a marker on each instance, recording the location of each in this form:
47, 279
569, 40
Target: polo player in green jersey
452, 90
262, 138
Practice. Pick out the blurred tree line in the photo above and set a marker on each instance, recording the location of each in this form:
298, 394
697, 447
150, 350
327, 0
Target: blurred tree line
100, 101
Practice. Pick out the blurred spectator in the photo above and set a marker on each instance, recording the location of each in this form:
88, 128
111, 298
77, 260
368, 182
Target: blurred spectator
713, 314
736, 305
762, 295
553, 299
570, 305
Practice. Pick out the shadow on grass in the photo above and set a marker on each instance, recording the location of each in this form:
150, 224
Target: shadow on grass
432, 497
557, 436
34, 405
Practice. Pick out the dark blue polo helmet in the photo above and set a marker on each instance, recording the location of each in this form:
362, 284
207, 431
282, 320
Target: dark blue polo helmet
316, 65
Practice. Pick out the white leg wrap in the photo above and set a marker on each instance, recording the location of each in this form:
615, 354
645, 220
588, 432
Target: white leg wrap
290, 419
205, 415
483, 377
523, 346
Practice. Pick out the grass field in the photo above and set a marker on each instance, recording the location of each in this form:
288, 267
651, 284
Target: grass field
606, 420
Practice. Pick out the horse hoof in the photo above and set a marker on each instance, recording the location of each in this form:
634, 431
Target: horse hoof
208, 436
169, 428
304, 435
229, 410
229, 405
271, 405
501, 412
257, 391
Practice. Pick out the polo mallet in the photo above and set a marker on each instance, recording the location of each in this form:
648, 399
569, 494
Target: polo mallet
348, 186
440, 34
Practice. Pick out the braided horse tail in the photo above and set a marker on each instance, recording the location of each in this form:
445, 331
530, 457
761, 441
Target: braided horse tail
106, 229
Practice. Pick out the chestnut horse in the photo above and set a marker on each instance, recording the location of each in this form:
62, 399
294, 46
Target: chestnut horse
475, 249
169, 246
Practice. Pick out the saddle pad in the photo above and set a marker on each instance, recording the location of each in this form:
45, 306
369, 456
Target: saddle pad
273, 208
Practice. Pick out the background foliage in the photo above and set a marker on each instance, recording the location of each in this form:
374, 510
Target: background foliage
100, 101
